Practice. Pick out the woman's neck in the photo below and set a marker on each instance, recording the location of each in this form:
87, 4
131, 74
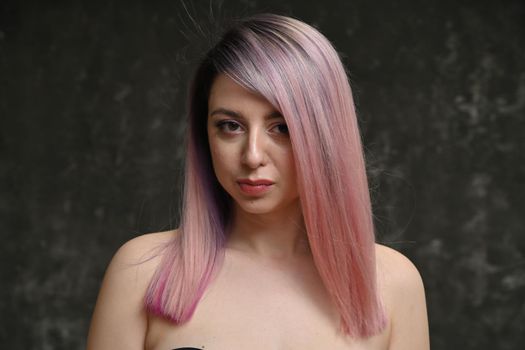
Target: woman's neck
277, 235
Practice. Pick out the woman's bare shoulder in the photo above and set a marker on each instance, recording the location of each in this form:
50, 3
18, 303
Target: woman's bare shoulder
119, 319
141, 253
149, 240
138, 248
395, 267
403, 294
398, 277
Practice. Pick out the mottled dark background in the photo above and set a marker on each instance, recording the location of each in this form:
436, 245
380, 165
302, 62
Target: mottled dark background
92, 127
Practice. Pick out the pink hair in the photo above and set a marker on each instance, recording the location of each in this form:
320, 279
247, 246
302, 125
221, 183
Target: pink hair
298, 71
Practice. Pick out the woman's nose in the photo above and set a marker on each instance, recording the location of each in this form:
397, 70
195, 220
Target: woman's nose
254, 154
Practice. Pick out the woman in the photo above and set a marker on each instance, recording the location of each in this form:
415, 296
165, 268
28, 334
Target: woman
276, 245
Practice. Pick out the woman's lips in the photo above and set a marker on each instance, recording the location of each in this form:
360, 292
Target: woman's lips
255, 187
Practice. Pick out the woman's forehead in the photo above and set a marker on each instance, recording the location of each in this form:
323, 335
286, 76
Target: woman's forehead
223, 87
228, 95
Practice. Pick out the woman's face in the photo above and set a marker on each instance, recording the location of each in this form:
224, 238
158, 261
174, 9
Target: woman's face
250, 149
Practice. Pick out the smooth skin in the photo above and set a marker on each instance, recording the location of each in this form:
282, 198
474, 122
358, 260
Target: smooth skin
268, 294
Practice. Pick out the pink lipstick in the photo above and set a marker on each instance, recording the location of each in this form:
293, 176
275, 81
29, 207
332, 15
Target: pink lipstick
255, 187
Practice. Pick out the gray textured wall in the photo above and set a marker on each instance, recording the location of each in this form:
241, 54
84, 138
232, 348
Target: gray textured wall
91, 112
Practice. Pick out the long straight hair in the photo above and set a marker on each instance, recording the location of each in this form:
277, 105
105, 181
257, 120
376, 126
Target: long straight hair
297, 70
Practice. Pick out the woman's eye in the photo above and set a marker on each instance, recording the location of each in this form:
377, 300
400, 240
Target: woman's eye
282, 128
228, 126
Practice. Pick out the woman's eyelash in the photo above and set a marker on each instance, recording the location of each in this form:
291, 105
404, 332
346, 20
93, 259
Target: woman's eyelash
226, 125
231, 126
283, 128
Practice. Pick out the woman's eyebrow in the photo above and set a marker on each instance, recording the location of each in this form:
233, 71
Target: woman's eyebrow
238, 115
227, 112
274, 115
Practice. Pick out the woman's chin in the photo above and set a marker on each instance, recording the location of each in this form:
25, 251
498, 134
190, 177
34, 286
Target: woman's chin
265, 207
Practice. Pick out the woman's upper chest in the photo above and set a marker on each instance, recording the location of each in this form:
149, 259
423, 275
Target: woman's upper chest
253, 306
